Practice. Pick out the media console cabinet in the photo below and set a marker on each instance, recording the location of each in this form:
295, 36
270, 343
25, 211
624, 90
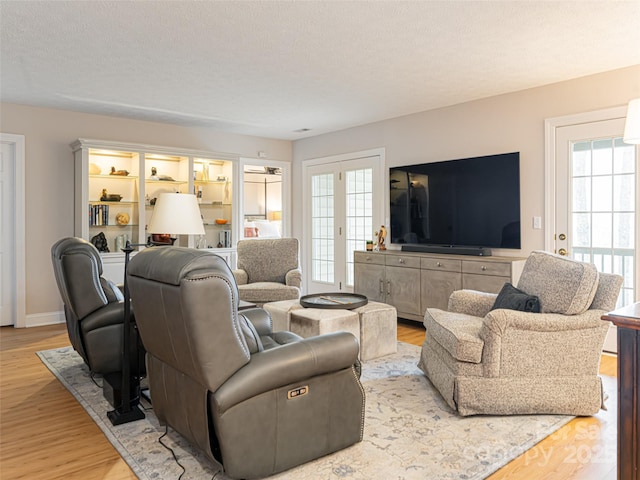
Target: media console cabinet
412, 282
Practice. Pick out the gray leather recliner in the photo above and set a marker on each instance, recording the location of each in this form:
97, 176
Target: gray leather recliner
93, 305
257, 402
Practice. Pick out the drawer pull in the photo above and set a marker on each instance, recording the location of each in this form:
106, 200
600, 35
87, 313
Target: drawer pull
369, 259
401, 260
438, 264
483, 268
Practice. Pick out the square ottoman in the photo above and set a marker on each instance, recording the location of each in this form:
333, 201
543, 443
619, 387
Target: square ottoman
309, 322
281, 313
378, 330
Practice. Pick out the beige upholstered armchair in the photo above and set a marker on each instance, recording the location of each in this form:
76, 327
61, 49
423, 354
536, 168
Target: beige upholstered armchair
502, 361
268, 270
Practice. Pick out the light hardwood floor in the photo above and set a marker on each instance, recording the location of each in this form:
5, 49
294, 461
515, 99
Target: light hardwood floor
46, 434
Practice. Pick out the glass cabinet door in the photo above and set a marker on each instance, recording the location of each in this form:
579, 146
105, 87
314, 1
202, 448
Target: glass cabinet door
212, 185
112, 199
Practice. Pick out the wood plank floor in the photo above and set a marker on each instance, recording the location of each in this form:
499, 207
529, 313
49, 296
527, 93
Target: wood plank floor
46, 434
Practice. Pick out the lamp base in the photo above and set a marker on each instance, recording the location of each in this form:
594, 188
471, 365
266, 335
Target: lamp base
118, 417
112, 391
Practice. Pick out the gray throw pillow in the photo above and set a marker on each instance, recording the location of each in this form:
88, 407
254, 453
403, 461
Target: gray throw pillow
514, 299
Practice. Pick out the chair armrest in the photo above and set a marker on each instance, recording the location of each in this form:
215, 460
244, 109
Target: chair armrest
471, 302
293, 278
241, 276
260, 319
110, 314
535, 344
290, 363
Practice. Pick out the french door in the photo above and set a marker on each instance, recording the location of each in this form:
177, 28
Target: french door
343, 204
597, 218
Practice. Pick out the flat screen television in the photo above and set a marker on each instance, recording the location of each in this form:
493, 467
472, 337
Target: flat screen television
471, 202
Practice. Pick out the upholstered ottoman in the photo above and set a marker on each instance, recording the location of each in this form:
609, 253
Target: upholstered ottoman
309, 322
281, 313
378, 330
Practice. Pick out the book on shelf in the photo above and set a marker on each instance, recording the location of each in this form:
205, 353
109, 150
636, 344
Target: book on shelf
98, 215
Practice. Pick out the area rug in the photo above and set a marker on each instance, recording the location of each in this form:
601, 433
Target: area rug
410, 433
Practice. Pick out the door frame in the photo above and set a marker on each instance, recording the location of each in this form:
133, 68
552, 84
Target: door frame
238, 190
550, 127
19, 293
305, 247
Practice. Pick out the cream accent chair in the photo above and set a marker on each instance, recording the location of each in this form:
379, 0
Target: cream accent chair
268, 270
508, 362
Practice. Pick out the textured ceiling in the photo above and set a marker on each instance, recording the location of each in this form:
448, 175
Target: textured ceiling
269, 68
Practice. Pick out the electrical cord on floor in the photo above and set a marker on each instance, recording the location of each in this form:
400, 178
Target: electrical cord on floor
93, 379
166, 431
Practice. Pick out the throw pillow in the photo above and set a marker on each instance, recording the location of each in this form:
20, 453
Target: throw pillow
514, 299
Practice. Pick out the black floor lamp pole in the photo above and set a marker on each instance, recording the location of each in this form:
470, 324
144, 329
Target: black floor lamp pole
128, 411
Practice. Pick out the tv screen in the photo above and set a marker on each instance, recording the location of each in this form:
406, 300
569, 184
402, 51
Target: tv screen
472, 202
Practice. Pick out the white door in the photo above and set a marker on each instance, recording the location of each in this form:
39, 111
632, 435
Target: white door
343, 207
7, 236
597, 202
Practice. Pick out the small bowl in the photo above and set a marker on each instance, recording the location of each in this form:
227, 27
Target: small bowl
221, 221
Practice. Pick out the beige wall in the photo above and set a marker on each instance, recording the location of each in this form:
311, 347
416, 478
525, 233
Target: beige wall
512, 122
501, 124
49, 175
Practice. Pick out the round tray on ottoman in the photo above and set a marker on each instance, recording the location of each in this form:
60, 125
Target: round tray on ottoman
340, 300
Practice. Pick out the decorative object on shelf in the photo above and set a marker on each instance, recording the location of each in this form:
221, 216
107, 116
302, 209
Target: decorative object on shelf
227, 192
221, 178
162, 178
100, 242
369, 245
120, 173
380, 235
153, 201
340, 300
161, 239
205, 172
121, 241
122, 218
94, 169
110, 197
221, 221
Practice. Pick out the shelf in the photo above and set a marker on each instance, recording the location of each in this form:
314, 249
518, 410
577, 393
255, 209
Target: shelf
114, 177
211, 182
102, 202
168, 182
114, 225
208, 204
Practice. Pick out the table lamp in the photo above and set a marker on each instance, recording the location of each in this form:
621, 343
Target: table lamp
177, 213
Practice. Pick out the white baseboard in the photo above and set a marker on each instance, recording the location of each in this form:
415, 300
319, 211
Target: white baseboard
40, 319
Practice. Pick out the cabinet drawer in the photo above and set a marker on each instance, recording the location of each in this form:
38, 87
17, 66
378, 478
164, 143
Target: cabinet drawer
368, 257
403, 261
486, 268
446, 265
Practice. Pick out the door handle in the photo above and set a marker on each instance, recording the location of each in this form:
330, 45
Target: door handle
381, 285
388, 287
562, 236
562, 251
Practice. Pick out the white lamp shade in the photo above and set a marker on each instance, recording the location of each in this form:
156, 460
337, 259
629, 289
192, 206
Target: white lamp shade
176, 213
632, 125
